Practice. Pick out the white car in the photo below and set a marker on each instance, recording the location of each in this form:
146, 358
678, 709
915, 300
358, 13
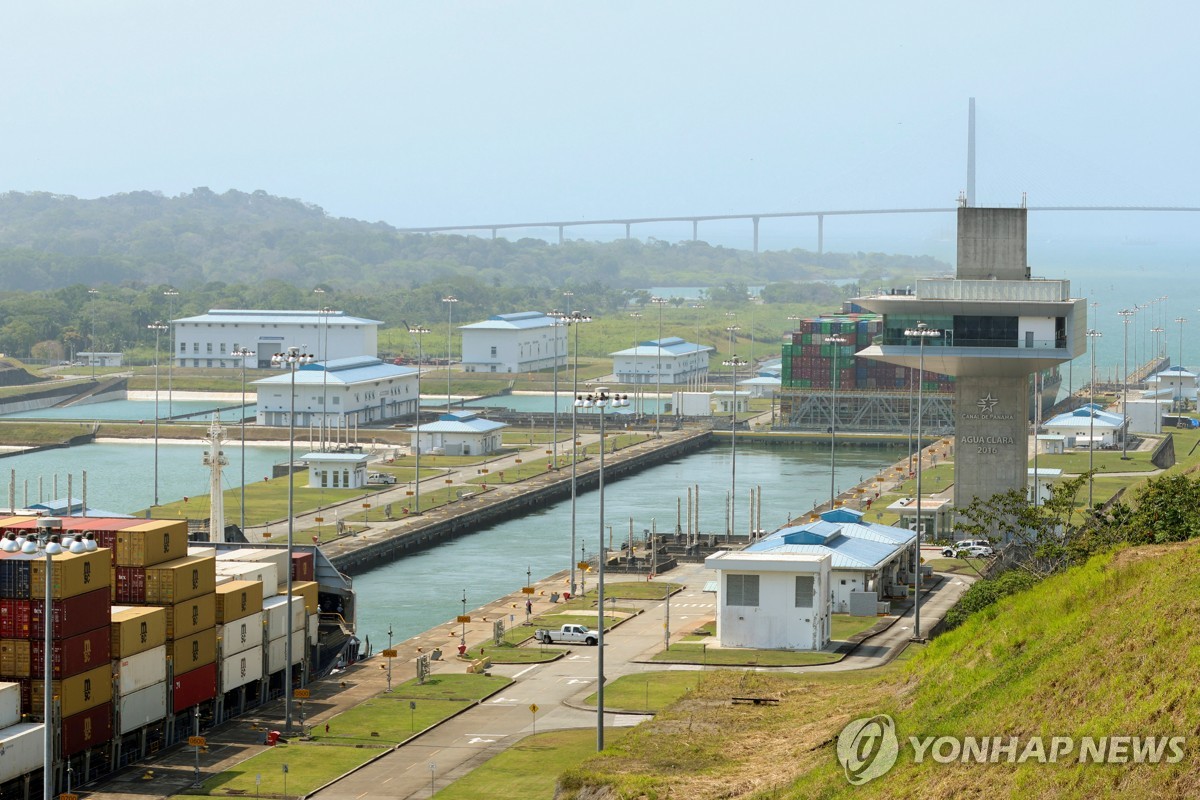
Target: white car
976, 548
381, 477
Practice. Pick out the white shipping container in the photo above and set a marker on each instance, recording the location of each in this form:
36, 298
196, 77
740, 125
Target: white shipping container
241, 634
10, 704
20, 750
147, 668
224, 579
314, 627
203, 552
238, 554
273, 608
264, 572
277, 652
241, 668
143, 707
266, 555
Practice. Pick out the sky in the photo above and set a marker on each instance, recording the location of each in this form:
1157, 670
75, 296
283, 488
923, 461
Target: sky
443, 113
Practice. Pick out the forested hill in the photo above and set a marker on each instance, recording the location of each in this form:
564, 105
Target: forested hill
49, 241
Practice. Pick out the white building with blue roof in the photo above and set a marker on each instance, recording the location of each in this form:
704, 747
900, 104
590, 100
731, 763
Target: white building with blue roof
526, 341
342, 393
459, 433
209, 340
1088, 426
1178, 382
671, 360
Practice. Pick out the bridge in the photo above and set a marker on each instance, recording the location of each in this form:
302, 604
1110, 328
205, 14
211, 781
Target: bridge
755, 219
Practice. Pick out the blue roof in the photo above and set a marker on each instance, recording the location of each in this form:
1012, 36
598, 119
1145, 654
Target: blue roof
342, 372
243, 316
669, 346
73, 507
1086, 417
460, 422
841, 533
522, 320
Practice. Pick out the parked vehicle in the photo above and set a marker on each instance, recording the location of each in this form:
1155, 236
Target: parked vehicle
381, 477
568, 634
976, 551
966, 544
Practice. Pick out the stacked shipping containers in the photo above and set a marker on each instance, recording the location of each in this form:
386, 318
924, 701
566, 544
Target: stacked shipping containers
20, 742
139, 649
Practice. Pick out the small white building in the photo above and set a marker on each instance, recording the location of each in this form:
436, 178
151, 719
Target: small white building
671, 360
459, 433
761, 386
523, 342
1088, 427
1053, 444
692, 404
209, 340
1178, 381
771, 600
937, 515
336, 470
1042, 483
344, 393
101, 359
723, 401
1145, 415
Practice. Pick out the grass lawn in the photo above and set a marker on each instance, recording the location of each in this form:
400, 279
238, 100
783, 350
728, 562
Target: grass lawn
388, 715
1102, 461
265, 501
508, 653
647, 691
696, 653
634, 590
844, 626
309, 766
957, 566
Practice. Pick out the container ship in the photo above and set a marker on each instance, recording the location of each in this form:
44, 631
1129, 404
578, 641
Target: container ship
152, 636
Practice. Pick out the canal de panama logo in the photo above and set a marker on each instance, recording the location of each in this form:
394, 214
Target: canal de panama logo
986, 404
867, 748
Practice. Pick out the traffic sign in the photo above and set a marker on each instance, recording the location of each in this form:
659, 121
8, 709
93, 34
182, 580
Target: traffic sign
526, 590
584, 565
301, 694
389, 654
197, 741
534, 708
463, 619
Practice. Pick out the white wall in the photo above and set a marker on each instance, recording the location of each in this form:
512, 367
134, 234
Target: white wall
1042, 329
675, 368
776, 623
517, 350
370, 402
199, 343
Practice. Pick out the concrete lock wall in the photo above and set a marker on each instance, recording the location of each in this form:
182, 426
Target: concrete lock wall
992, 446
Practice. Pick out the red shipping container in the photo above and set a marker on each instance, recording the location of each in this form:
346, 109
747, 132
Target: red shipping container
194, 687
14, 619
76, 654
74, 615
87, 729
130, 585
302, 567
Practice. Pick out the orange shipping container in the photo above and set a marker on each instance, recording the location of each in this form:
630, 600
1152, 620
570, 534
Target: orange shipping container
184, 619
179, 580
14, 658
151, 543
307, 590
136, 629
78, 693
193, 651
238, 599
74, 574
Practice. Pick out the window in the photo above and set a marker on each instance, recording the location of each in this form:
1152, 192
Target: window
209, 364
804, 591
183, 347
493, 351
222, 348
208, 347
196, 349
741, 590
195, 362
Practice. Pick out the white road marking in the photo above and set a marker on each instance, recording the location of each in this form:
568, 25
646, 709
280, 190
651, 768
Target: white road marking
506, 700
479, 739
527, 669
573, 681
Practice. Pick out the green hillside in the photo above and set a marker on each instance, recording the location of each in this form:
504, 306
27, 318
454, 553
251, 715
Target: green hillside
1111, 648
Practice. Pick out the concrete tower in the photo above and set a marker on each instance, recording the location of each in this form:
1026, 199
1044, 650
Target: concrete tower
997, 326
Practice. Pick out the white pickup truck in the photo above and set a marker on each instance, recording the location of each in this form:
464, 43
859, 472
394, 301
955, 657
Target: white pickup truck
578, 634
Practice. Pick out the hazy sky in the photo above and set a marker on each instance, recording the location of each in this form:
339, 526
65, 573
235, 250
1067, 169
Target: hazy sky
443, 112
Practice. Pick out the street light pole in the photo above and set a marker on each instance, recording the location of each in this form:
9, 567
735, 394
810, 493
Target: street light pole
660, 302
292, 358
92, 358
158, 327
418, 332
921, 333
243, 353
1179, 367
1126, 316
171, 294
449, 300
573, 318
325, 311
1093, 335
734, 362
836, 341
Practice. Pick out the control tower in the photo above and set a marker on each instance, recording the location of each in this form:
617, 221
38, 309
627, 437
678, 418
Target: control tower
994, 326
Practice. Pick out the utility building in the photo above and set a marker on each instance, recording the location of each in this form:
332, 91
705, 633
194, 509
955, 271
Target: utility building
210, 340
671, 360
993, 327
523, 342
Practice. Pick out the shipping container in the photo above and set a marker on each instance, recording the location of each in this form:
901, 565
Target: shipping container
314, 628
264, 572
201, 552
10, 704
77, 693
86, 729
276, 555
308, 591
21, 750
136, 629
179, 580
15, 575
303, 568
72, 616
241, 668
14, 619
73, 574
138, 671
277, 651
15, 659
277, 623
129, 584
184, 619
142, 707
190, 688
241, 634
151, 543
237, 599
190, 652
73, 655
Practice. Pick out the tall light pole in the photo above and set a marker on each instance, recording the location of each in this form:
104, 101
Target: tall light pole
325, 311
93, 293
835, 341
600, 401
449, 300
291, 359
639, 402
576, 319
418, 332
920, 333
171, 293
699, 307
1126, 316
1092, 335
1179, 368
158, 327
660, 302
243, 353
734, 362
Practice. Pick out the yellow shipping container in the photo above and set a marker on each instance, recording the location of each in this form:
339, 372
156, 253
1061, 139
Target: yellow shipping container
150, 543
184, 619
238, 599
80, 692
307, 590
74, 574
190, 652
14, 658
138, 629
179, 580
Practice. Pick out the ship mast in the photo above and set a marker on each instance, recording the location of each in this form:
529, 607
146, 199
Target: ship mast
214, 459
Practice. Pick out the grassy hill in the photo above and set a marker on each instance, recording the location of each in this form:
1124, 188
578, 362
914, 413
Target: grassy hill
1106, 649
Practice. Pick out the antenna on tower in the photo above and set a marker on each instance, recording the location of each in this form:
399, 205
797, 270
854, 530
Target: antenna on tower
971, 153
